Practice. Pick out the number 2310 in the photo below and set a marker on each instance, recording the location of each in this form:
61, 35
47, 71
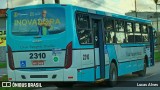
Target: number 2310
37, 55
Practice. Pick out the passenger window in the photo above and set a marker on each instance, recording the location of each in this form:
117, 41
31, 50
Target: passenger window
108, 24
85, 36
137, 27
129, 33
109, 30
121, 37
129, 27
83, 21
109, 37
138, 37
138, 33
145, 37
144, 29
119, 26
130, 37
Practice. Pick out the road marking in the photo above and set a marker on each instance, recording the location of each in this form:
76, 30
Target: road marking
150, 75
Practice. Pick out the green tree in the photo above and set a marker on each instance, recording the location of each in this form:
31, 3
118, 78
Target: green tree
155, 1
158, 41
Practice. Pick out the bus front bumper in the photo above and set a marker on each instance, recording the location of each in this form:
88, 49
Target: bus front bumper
55, 76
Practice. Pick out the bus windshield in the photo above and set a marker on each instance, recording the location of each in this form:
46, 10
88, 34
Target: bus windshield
38, 21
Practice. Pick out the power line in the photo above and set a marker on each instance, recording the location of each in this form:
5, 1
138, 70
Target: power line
43, 2
98, 4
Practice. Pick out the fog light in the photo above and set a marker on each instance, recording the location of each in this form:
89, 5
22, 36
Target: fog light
70, 77
9, 78
23, 77
54, 76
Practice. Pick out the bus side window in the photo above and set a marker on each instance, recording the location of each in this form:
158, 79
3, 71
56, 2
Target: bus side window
137, 33
82, 20
85, 36
114, 38
84, 33
137, 27
144, 31
129, 27
120, 36
109, 29
129, 33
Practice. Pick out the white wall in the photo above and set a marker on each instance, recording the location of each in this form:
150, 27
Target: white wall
2, 24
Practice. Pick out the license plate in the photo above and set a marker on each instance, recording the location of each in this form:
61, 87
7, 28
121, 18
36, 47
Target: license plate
38, 62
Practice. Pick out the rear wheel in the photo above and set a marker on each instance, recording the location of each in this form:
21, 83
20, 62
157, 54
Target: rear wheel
142, 73
113, 75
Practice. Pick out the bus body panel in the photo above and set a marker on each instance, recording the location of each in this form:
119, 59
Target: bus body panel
129, 58
53, 59
111, 52
86, 75
11, 73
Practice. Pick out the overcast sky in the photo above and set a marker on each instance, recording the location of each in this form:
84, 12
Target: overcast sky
116, 6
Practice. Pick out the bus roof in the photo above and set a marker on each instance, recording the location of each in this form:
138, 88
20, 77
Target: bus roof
112, 14
89, 11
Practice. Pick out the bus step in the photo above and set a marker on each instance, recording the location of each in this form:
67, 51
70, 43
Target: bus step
100, 80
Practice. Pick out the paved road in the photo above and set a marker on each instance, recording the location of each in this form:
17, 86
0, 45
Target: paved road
153, 74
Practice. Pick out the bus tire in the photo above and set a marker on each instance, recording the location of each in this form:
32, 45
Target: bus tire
113, 75
142, 73
63, 85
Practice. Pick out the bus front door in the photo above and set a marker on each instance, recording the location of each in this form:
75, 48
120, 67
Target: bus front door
98, 49
152, 43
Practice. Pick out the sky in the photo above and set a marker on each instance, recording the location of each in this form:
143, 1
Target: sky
115, 6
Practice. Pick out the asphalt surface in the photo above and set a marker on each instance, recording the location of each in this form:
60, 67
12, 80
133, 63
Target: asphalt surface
130, 82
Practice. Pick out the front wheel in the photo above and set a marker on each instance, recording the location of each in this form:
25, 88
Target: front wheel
113, 75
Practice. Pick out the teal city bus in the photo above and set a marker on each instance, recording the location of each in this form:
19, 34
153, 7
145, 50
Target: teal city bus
68, 44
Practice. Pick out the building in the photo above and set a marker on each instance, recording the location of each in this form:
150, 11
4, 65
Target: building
2, 34
147, 15
2, 19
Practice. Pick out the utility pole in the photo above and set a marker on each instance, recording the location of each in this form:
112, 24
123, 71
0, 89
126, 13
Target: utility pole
156, 2
157, 15
135, 8
7, 4
43, 2
57, 1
